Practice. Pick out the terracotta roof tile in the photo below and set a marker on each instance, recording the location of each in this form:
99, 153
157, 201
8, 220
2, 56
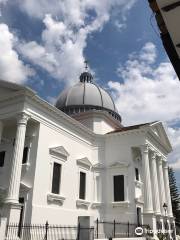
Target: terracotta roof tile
133, 127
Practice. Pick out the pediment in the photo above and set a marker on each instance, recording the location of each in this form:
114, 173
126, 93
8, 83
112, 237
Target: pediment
119, 165
84, 162
59, 152
158, 129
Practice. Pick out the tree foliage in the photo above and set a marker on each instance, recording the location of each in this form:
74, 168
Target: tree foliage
175, 196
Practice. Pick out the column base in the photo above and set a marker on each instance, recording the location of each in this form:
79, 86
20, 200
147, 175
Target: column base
12, 212
157, 214
150, 219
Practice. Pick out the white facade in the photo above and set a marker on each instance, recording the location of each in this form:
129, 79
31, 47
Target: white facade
101, 152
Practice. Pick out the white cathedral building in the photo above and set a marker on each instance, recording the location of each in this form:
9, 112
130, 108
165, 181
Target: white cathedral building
75, 159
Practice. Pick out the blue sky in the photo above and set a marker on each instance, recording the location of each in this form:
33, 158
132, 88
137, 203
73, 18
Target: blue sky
43, 45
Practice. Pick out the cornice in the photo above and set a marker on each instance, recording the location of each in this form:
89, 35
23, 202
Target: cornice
61, 116
27, 96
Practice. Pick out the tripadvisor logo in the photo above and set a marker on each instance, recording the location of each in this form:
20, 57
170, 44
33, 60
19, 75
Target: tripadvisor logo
139, 231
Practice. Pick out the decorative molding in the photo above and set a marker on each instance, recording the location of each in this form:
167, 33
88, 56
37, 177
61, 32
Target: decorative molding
145, 148
120, 204
165, 165
82, 203
139, 200
25, 186
138, 158
84, 162
22, 118
51, 197
59, 152
97, 167
119, 165
96, 205
138, 184
26, 166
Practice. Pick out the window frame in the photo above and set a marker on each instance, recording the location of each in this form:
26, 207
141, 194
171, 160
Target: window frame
84, 165
119, 168
60, 178
116, 175
85, 185
57, 155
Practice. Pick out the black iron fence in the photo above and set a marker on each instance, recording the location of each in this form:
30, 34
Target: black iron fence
102, 229
48, 232
114, 229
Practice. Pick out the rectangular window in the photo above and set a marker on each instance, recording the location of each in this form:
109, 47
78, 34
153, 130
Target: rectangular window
137, 174
82, 186
2, 157
119, 188
56, 178
25, 155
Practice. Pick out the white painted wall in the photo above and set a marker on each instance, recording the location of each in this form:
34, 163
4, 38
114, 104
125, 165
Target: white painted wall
98, 125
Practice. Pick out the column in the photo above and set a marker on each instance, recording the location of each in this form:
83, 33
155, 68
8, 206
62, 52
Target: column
154, 181
148, 206
15, 177
161, 184
167, 189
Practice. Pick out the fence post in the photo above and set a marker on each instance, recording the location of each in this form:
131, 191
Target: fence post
128, 229
114, 228
79, 228
97, 228
46, 232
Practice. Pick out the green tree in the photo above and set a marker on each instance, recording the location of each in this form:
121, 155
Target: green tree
175, 196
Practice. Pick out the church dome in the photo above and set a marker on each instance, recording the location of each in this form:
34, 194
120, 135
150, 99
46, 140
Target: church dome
85, 96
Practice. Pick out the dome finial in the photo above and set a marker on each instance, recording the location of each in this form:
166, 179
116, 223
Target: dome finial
86, 76
86, 64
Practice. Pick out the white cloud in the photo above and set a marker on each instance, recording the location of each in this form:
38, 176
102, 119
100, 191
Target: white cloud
11, 67
150, 92
65, 37
3, 1
119, 25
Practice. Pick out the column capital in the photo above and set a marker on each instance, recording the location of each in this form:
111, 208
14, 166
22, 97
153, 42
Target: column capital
144, 148
153, 155
165, 165
22, 118
160, 160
